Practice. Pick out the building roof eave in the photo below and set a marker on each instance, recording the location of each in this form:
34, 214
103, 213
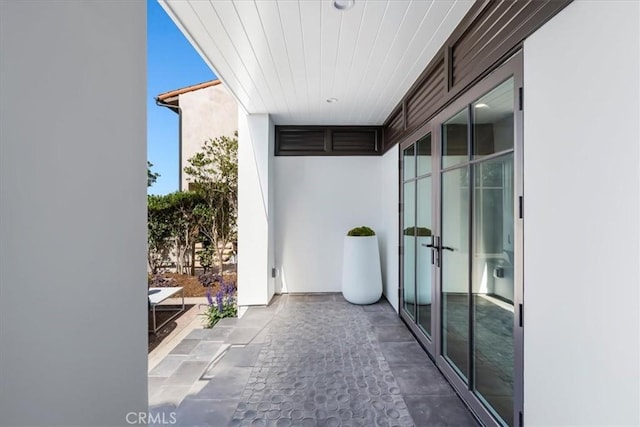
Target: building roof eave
172, 95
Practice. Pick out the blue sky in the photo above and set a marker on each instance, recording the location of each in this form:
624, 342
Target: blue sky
172, 63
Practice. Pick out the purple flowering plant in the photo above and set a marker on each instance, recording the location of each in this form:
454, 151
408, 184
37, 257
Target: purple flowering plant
222, 305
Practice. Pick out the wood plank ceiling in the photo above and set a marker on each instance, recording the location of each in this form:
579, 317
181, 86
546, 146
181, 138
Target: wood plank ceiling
288, 57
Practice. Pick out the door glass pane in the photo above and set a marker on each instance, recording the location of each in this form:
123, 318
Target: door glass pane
409, 163
423, 148
493, 284
454, 140
455, 268
493, 121
423, 258
409, 248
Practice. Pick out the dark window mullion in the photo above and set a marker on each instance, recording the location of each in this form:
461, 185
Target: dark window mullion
415, 241
471, 183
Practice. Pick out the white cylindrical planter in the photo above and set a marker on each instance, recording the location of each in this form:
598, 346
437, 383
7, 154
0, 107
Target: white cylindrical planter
361, 274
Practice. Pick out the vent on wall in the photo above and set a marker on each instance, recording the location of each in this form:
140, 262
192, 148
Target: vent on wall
308, 140
328, 140
394, 129
490, 32
495, 32
426, 97
354, 141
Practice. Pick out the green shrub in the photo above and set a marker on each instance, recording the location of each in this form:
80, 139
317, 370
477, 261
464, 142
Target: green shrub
361, 232
417, 231
205, 256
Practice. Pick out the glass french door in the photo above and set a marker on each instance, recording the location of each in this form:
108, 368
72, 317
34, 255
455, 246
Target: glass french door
417, 234
461, 251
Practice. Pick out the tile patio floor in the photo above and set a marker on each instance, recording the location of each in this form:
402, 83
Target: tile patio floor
306, 360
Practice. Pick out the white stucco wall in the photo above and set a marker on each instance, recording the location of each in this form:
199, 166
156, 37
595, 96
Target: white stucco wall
206, 113
73, 287
319, 199
581, 177
255, 207
388, 230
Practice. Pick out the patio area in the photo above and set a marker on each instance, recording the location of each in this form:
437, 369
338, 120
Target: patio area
305, 360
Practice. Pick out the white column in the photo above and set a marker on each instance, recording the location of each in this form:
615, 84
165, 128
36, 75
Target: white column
255, 206
388, 232
73, 286
581, 249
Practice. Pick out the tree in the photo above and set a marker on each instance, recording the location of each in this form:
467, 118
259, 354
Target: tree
160, 232
173, 225
152, 177
214, 175
185, 224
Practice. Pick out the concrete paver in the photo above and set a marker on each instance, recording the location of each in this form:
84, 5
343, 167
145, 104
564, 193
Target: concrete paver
167, 366
311, 360
185, 346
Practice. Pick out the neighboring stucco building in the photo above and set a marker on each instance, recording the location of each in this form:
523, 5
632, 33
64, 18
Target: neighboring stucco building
205, 110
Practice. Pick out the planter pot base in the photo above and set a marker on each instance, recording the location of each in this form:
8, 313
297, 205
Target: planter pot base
361, 275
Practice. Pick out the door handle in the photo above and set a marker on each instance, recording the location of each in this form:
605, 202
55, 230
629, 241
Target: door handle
429, 245
435, 250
